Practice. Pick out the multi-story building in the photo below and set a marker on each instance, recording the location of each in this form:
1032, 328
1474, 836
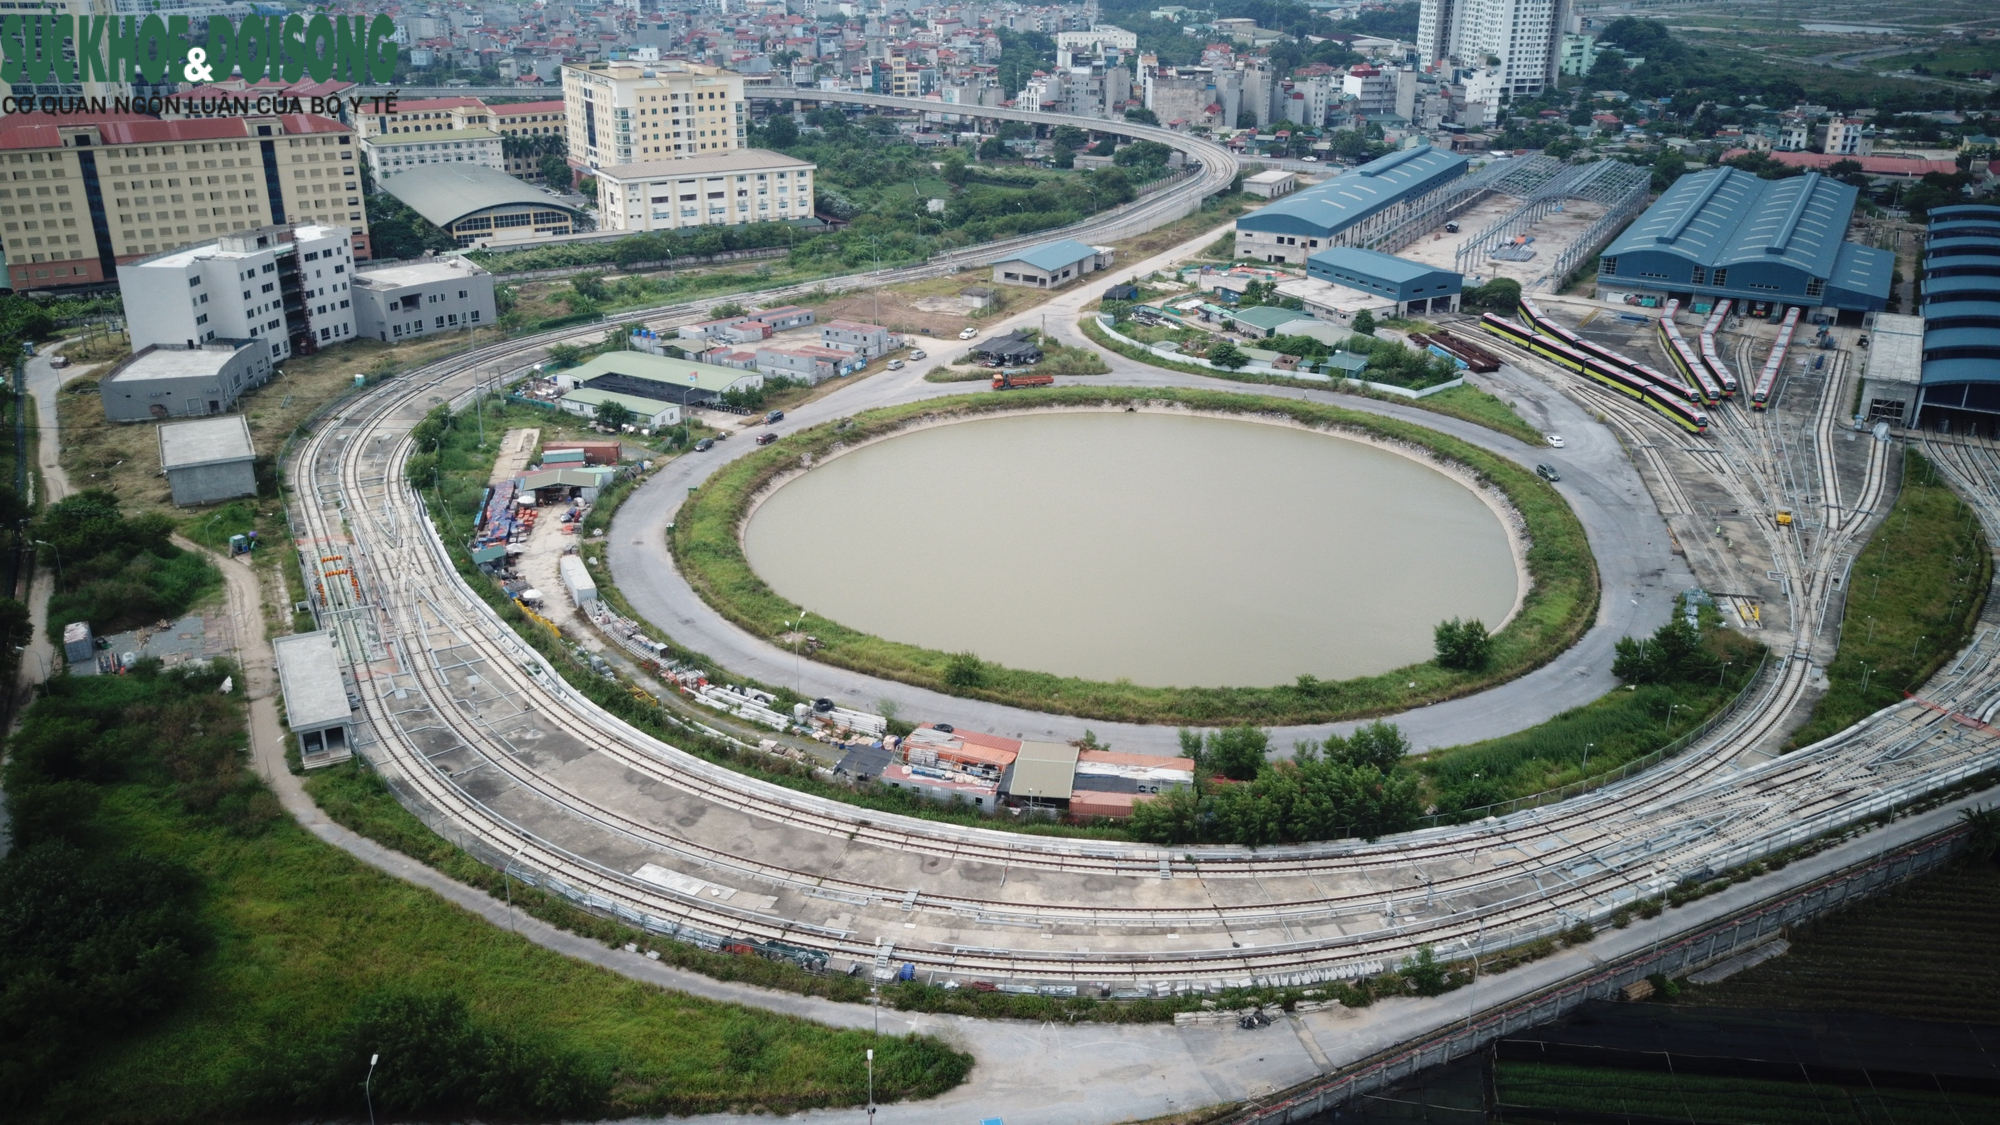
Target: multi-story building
77, 87
1576, 54
745, 186
425, 115
531, 120
1795, 130
1373, 90
1849, 136
623, 113
1518, 39
397, 153
90, 193
415, 298
1103, 43
286, 286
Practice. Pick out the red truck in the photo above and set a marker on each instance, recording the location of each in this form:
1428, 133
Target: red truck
1009, 382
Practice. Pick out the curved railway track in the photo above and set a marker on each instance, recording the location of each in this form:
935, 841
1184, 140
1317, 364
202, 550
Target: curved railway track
462, 711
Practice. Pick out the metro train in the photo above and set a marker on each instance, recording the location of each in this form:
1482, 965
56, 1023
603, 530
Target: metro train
1547, 326
1767, 379
1661, 399
1685, 363
1709, 355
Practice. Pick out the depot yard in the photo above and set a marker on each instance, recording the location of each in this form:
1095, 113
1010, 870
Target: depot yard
1553, 235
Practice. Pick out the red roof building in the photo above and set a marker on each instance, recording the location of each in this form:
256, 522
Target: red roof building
1908, 166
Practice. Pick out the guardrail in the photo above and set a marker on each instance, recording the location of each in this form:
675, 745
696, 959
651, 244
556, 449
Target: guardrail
1743, 930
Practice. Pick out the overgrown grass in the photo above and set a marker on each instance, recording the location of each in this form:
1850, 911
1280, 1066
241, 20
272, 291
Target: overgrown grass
1467, 403
1559, 606
1588, 741
294, 941
1913, 595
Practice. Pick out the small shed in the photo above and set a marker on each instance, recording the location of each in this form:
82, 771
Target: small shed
1052, 264
316, 706
576, 578
1043, 772
1271, 184
1012, 350
79, 649
209, 460
1891, 381
978, 296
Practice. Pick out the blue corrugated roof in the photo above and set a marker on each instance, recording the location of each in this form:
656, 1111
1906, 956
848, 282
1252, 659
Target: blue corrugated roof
1862, 269
1374, 263
1055, 255
1358, 193
1969, 353
1727, 216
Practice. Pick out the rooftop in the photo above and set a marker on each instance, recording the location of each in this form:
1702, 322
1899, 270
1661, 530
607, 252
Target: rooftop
522, 108
1055, 255
205, 441
42, 130
244, 243
1727, 216
597, 396
446, 193
1374, 263
1046, 770
659, 369
1266, 317
173, 361
416, 273
1896, 349
1358, 193
391, 140
309, 675
742, 160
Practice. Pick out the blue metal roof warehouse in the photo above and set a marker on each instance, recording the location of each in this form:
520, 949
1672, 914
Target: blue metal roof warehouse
1398, 279
1727, 233
1961, 288
1346, 209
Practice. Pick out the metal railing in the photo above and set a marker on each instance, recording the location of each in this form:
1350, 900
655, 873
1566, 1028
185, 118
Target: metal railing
1588, 784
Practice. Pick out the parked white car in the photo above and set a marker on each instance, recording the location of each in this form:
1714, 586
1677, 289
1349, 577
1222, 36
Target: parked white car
968, 334
1556, 441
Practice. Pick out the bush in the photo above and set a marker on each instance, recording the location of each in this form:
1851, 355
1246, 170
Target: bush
116, 572
964, 671
1463, 645
1226, 354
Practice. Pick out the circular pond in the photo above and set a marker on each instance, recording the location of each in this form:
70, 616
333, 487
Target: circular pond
1170, 550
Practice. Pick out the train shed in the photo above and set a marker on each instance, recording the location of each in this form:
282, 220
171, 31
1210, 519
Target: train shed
1961, 288
1766, 243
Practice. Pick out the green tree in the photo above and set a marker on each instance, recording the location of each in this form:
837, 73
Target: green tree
555, 172
727, 309
1501, 295
1228, 355
1982, 833
780, 131
1173, 817
964, 671
614, 415
1142, 116
588, 186
1673, 654
1070, 137
564, 355
1364, 323
1426, 976
1462, 645
1237, 752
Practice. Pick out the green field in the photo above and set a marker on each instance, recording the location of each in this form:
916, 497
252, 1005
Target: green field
1923, 951
1721, 1101
174, 948
1913, 596
1559, 605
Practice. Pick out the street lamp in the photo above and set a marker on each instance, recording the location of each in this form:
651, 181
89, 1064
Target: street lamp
367, 1087
871, 1085
1588, 746
39, 659
58, 551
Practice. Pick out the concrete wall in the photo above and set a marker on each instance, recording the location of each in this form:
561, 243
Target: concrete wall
213, 483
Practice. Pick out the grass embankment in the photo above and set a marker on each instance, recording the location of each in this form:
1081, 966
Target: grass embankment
1913, 596
1467, 403
1559, 606
1587, 742
238, 968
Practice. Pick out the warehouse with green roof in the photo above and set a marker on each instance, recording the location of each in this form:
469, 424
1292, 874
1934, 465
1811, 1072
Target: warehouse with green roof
1767, 244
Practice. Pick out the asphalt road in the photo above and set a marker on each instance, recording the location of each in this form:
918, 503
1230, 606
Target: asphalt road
1640, 574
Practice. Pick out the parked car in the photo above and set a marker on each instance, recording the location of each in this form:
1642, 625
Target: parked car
1547, 473
774, 416
919, 353
704, 445
1556, 441
766, 438
968, 334
895, 365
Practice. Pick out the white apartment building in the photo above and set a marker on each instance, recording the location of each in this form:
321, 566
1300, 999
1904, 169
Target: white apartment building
1849, 136
284, 286
1075, 48
389, 155
1374, 90
1520, 40
623, 113
745, 186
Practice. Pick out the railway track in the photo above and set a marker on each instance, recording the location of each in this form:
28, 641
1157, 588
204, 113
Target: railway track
464, 712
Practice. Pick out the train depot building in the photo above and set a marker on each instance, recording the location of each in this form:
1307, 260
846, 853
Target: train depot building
1768, 244
1347, 210
1961, 346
